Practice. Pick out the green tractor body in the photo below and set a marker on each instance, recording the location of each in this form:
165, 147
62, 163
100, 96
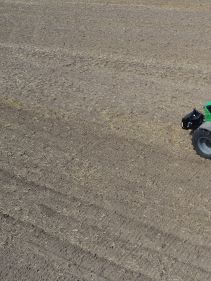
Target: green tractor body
207, 112
200, 124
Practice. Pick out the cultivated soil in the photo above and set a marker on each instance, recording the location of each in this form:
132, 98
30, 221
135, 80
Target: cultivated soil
97, 179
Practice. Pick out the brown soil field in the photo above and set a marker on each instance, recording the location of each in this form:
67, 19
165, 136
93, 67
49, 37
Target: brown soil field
97, 179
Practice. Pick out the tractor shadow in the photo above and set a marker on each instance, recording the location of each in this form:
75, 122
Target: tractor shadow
191, 133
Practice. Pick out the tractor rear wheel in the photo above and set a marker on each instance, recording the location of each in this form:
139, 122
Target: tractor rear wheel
201, 141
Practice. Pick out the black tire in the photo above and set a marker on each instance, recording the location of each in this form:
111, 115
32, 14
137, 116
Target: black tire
201, 141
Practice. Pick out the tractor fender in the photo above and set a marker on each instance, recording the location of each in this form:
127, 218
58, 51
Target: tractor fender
206, 126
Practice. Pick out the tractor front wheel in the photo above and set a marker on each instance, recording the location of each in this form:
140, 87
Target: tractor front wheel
202, 143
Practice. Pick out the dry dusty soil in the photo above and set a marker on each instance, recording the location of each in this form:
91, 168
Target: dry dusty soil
97, 180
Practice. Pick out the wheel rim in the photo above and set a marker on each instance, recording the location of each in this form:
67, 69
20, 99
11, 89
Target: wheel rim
204, 144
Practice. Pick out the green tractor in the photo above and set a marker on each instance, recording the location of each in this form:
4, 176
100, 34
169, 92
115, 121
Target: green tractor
200, 124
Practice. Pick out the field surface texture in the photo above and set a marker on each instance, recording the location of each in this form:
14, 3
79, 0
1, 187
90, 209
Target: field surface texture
98, 182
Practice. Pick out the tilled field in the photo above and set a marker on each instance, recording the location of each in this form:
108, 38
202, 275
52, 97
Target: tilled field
97, 180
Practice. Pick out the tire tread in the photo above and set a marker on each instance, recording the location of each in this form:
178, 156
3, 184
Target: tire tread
196, 134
